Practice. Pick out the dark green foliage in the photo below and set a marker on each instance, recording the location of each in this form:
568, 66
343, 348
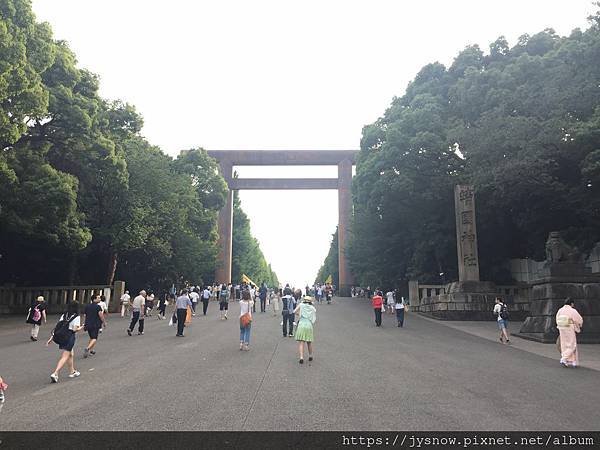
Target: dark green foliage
522, 124
83, 198
330, 265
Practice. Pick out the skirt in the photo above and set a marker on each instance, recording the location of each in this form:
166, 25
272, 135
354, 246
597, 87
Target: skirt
304, 331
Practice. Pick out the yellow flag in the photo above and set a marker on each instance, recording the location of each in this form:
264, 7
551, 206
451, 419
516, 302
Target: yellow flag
329, 280
246, 279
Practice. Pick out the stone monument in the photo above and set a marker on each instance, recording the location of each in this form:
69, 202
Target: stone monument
469, 298
564, 275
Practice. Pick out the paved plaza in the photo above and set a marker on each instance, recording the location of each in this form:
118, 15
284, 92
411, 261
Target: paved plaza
426, 376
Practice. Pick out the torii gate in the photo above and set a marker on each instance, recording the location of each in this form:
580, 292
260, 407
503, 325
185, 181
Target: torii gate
344, 159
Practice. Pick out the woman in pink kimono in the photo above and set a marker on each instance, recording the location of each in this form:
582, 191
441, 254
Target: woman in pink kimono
569, 322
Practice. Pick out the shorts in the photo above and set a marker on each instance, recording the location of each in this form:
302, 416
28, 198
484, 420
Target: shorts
92, 332
68, 346
502, 323
223, 306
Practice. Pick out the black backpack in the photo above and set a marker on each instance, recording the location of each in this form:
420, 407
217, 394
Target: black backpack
61, 333
504, 312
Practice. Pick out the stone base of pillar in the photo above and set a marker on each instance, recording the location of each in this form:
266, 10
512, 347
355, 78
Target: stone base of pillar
345, 290
475, 304
549, 297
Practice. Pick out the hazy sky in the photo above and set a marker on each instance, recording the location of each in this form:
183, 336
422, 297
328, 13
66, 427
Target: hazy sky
281, 75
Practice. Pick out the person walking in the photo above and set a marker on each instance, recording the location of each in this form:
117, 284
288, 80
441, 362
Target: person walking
205, 299
304, 330
93, 319
274, 301
262, 293
149, 305
389, 295
181, 307
501, 312
125, 304
377, 303
194, 297
288, 311
64, 335
224, 301
35, 315
246, 304
137, 315
399, 305
569, 323
253, 296
162, 306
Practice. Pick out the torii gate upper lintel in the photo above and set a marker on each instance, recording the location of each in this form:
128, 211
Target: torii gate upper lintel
344, 159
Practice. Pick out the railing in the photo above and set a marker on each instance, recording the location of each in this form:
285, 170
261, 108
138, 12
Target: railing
431, 290
16, 300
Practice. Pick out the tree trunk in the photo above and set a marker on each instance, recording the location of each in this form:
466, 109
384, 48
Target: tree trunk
72, 276
112, 268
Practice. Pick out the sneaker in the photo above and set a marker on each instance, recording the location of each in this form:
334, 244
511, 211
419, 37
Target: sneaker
310, 358
86, 352
128, 331
74, 374
301, 361
290, 335
54, 378
92, 352
140, 333
225, 317
32, 338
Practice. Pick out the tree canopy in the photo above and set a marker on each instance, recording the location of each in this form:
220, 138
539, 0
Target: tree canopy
521, 123
84, 198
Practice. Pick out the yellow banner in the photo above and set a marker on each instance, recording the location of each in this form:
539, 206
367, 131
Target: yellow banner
246, 279
329, 280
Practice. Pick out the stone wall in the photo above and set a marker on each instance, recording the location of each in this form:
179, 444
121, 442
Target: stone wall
549, 297
476, 306
16, 300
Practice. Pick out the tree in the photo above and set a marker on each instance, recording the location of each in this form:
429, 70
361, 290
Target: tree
521, 124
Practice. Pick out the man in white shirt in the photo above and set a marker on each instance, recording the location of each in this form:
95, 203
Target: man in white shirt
205, 299
194, 296
400, 311
138, 305
125, 307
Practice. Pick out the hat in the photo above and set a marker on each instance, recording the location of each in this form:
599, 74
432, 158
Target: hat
40, 298
307, 298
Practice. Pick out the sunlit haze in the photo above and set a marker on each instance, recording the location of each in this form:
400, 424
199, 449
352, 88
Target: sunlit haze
280, 75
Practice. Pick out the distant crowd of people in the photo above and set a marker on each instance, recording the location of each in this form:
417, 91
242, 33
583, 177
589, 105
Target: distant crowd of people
295, 306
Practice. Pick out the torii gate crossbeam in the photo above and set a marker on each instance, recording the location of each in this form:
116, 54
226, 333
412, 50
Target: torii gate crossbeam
343, 159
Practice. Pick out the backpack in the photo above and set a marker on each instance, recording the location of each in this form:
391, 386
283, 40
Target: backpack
36, 314
504, 312
61, 333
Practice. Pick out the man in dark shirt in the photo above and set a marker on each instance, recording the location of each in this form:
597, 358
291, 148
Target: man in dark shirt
93, 321
262, 293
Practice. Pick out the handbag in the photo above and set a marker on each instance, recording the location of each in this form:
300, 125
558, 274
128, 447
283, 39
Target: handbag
245, 320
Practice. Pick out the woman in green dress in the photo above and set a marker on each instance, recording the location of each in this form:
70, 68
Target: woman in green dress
304, 329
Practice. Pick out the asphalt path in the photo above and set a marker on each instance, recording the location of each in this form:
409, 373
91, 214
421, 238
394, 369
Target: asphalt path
425, 376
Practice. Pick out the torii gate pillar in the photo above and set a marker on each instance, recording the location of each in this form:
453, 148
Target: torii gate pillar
344, 159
